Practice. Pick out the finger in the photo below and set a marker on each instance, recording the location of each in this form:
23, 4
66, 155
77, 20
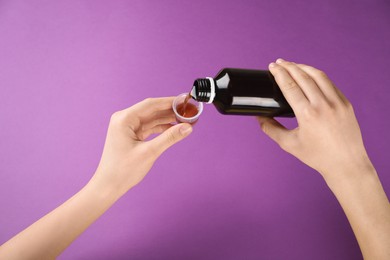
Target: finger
290, 89
160, 113
276, 131
304, 80
170, 137
149, 106
324, 83
158, 121
142, 135
342, 96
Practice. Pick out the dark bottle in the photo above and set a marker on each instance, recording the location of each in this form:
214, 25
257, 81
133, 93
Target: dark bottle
243, 92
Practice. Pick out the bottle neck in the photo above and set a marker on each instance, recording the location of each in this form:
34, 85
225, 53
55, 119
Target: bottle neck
203, 90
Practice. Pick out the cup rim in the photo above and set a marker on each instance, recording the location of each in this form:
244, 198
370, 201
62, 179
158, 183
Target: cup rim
200, 109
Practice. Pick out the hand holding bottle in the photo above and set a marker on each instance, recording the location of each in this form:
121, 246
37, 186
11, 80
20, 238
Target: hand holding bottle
328, 137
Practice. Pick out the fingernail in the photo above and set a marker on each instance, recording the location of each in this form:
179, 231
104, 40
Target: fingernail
272, 65
280, 60
185, 129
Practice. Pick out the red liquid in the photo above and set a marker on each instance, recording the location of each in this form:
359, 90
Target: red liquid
187, 110
188, 97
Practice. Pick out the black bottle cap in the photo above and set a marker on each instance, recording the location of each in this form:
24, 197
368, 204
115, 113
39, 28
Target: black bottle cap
201, 91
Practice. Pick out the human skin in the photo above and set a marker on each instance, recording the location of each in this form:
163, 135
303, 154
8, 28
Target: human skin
329, 140
125, 161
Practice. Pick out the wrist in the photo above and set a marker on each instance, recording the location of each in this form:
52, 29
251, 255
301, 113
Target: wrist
349, 174
361, 195
104, 189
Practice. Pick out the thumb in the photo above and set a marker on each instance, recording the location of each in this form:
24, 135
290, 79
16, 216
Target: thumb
170, 137
274, 130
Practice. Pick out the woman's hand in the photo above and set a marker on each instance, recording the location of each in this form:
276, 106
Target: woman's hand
328, 139
127, 156
126, 159
328, 136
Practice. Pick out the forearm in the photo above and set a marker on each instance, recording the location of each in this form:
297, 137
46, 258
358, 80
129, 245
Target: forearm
50, 235
367, 208
328, 139
125, 161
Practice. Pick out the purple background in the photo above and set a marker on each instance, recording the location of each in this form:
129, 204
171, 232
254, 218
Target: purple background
226, 192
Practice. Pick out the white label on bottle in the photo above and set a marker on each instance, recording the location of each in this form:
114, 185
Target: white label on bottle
255, 101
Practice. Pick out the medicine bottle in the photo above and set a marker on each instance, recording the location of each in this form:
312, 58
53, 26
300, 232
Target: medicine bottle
242, 92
